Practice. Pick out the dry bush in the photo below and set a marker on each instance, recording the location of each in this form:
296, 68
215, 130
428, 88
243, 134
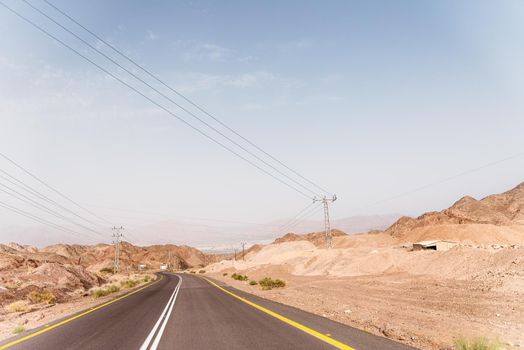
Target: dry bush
107, 270
239, 277
18, 306
129, 283
478, 343
41, 297
102, 292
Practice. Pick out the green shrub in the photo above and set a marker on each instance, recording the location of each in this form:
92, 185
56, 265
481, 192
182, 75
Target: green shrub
106, 270
253, 283
18, 330
147, 278
202, 271
268, 283
239, 277
128, 283
478, 343
224, 274
41, 297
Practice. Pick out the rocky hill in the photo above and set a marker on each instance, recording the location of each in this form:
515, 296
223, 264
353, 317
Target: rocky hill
64, 269
505, 209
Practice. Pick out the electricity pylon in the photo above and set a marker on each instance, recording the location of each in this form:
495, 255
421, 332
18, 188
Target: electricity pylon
327, 225
117, 235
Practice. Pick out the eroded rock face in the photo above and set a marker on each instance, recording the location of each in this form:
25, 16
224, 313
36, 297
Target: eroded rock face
67, 268
499, 209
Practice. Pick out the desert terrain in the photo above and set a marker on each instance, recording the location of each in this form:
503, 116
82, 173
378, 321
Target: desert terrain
41, 285
425, 298
374, 281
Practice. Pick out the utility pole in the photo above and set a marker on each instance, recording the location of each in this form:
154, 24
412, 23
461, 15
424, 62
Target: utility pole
243, 250
236, 254
117, 235
327, 226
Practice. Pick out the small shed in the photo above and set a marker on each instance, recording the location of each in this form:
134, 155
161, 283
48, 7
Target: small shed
439, 245
142, 267
163, 267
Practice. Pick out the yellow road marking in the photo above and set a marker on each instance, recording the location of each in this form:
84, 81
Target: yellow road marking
32, 335
295, 324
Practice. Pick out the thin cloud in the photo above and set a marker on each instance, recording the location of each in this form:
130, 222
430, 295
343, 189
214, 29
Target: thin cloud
151, 35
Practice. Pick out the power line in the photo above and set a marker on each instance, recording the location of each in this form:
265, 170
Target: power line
50, 187
297, 215
314, 212
38, 219
23, 198
300, 218
183, 97
151, 100
186, 219
171, 100
29, 189
466, 172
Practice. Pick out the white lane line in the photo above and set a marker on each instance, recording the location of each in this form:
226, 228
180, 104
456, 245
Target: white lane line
161, 331
146, 343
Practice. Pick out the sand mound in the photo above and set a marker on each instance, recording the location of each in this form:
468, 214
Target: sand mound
317, 238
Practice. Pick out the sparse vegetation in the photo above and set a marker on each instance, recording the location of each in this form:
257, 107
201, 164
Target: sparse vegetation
253, 283
239, 277
113, 288
202, 271
268, 283
106, 270
18, 329
224, 274
41, 297
192, 271
18, 306
147, 278
129, 283
477, 343
102, 292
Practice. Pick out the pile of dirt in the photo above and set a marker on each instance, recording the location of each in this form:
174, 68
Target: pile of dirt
503, 210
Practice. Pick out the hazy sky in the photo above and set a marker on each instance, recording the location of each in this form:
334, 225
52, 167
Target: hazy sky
370, 99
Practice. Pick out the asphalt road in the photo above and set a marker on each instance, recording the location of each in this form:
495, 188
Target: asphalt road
188, 312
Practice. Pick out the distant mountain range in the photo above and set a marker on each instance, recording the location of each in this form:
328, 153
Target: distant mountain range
217, 236
220, 238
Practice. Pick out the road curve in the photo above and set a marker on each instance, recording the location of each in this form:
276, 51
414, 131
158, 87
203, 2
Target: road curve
189, 312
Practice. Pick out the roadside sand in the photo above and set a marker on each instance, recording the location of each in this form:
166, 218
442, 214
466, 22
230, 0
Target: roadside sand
372, 282
419, 311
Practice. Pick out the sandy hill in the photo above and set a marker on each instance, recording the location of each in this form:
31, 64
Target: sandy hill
317, 238
498, 218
